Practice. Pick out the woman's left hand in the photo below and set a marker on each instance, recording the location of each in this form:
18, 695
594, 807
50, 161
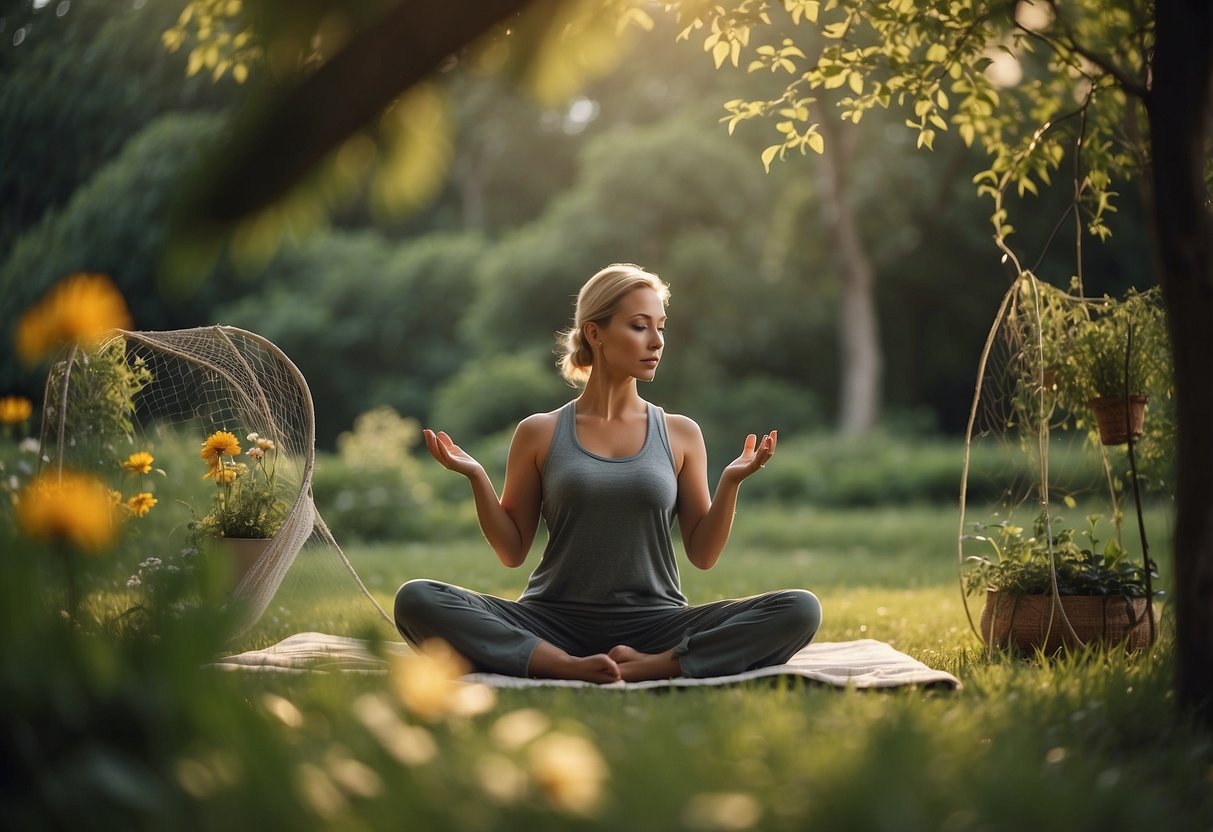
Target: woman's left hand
754, 455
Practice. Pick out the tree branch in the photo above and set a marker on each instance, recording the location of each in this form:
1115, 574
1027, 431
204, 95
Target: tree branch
285, 132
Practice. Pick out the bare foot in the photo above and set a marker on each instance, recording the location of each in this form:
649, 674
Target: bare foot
550, 662
635, 666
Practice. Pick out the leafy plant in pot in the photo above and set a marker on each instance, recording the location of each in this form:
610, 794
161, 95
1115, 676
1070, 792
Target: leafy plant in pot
245, 511
1117, 359
1102, 596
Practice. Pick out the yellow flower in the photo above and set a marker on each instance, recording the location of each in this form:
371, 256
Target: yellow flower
411, 745
427, 682
219, 444
517, 728
722, 812
141, 503
72, 508
81, 307
140, 462
224, 473
15, 409
568, 771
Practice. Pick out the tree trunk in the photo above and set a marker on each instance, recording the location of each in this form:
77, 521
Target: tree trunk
858, 326
1179, 109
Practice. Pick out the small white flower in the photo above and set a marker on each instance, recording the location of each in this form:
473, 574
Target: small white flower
133, 581
253, 437
265, 444
255, 453
29, 445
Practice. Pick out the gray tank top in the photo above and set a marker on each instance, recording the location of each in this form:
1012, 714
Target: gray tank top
608, 522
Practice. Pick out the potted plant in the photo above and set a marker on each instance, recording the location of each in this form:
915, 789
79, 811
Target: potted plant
1101, 596
1118, 357
246, 511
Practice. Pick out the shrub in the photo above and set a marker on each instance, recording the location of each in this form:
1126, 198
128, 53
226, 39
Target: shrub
495, 393
882, 468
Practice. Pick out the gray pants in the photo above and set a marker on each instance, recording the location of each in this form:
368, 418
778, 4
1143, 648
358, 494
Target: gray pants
714, 639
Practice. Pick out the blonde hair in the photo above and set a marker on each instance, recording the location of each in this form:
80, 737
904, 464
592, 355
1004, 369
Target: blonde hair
597, 301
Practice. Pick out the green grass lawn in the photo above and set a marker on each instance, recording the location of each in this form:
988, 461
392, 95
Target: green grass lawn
1086, 742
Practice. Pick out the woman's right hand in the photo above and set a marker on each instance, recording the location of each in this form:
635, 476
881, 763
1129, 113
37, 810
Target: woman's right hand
443, 449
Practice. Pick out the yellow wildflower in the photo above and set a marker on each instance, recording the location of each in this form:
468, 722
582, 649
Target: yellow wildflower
222, 474
219, 444
411, 745
722, 812
501, 779
72, 508
81, 307
15, 409
427, 682
140, 462
517, 728
569, 772
141, 503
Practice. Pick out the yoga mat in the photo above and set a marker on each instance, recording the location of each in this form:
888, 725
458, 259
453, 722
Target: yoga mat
862, 664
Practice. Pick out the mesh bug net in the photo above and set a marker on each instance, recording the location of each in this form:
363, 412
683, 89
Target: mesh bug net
167, 392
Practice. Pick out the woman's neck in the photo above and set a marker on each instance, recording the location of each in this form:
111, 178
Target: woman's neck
609, 400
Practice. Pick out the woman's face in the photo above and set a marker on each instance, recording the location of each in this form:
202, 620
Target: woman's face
634, 337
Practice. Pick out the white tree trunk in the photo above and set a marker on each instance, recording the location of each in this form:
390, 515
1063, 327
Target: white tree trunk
858, 326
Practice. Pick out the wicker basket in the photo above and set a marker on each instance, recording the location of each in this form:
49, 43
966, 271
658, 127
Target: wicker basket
1023, 621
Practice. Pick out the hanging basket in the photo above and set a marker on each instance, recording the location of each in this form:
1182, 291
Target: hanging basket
1023, 621
1110, 415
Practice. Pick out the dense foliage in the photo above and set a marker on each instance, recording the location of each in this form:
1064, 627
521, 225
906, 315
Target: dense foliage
382, 309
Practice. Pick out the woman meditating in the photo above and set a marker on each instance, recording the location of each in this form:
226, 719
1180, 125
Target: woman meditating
609, 473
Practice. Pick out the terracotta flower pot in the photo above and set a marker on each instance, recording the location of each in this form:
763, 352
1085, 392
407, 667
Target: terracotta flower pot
1023, 621
1110, 414
241, 553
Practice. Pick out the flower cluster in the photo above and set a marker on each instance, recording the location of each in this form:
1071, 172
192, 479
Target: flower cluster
152, 568
81, 307
68, 507
15, 410
140, 464
245, 502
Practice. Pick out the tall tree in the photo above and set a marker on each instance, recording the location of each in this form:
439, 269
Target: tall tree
858, 326
1178, 101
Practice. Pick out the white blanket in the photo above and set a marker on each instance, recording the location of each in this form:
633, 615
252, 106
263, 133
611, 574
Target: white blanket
865, 663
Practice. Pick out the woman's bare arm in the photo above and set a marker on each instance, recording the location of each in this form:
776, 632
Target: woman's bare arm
508, 523
706, 521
